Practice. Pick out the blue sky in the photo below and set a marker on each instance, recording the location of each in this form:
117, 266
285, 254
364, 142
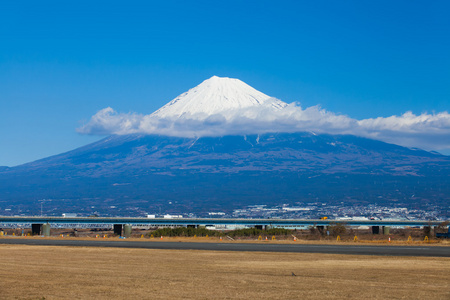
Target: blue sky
62, 62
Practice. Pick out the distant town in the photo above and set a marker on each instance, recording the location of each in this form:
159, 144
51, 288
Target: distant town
354, 212
310, 210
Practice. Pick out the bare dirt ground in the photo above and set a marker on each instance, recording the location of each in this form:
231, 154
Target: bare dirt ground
37, 272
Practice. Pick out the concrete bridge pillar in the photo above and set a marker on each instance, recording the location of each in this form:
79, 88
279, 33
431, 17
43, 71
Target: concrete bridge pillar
127, 230
45, 229
375, 229
122, 230
36, 229
386, 230
118, 229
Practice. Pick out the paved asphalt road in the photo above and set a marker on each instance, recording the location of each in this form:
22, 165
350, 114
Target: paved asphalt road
223, 246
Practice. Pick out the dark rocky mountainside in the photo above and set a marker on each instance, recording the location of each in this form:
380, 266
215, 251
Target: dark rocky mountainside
296, 152
149, 171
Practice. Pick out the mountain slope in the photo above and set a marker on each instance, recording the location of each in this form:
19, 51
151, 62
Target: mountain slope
147, 172
296, 152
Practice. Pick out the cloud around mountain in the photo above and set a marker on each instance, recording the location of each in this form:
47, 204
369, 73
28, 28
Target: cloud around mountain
227, 106
425, 131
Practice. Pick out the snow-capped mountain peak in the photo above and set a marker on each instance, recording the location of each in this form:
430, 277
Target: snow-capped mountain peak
217, 95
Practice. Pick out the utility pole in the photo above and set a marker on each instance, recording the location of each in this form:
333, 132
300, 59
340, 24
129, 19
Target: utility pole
42, 206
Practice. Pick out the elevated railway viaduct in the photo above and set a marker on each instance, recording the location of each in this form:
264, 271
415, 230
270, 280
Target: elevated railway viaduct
122, 226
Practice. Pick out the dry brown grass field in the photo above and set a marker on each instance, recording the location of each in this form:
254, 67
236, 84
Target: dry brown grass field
37, 272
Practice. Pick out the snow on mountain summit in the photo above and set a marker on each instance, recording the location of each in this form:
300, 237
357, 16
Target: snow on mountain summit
217, 95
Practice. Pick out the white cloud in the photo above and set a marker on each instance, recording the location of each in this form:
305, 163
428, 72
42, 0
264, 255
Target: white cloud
426, 131
107, 121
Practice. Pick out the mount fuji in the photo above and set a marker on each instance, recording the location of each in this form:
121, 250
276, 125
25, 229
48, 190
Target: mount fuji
131, 174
